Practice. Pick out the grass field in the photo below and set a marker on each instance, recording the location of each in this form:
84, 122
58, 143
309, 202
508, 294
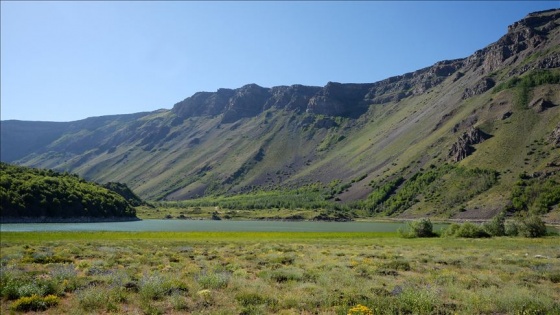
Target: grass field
276, 273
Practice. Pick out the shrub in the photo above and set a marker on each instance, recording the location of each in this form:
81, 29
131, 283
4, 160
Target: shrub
397, 265
512, 228
471, 230
154, 287
467, 230
179, 302
419, 301
213, 280
251, 298
29, 289
418, 228
496, 227
34, 303
451, 230
92, 299
554, 277
206, 297
532, 226
287, 274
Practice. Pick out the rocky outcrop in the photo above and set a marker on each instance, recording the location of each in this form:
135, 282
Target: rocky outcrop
413, 83
247, 101
204, 104
522, 38
555, 136
295, 97
480, 87
541, 104
463, 147
325, 123
337, 99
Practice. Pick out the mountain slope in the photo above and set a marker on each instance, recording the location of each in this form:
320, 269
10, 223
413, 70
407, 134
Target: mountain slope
496, 109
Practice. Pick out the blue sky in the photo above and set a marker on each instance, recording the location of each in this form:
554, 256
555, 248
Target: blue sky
65, 61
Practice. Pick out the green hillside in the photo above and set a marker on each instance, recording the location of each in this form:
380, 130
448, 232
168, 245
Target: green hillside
45, 194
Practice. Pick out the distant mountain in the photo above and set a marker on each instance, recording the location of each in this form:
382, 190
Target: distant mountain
495, 111
29, 194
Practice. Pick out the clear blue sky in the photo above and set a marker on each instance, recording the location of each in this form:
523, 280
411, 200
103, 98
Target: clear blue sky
64, 61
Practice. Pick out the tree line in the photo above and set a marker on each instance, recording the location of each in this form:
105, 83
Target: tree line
30, 192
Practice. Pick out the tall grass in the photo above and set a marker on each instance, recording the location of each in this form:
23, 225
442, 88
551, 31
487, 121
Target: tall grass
275, 273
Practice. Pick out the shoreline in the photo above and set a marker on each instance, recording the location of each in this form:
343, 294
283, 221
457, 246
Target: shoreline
10, 220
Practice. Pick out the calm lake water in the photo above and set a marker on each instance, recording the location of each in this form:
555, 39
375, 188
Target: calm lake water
209, 225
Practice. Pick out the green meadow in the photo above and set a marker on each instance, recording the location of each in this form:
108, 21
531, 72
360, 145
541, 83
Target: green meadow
276, 273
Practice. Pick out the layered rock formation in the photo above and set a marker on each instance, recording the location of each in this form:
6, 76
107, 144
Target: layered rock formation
463, 147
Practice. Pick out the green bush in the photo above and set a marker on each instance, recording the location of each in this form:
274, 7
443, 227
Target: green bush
397, 265
252, 298
155, 287
213, 280
471, 230
34, 303
10, 282
532, 226
451, 230
418, 301
15, 285
287, 274
466, 230
92, 299
496, 227
418, 228
512, 228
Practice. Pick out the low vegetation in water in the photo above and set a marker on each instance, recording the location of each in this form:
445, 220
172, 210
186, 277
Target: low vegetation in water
276, 273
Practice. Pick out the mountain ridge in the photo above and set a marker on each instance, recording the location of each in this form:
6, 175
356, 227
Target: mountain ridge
236, 140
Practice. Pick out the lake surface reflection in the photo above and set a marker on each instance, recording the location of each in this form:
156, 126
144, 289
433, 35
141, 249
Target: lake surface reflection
209, 225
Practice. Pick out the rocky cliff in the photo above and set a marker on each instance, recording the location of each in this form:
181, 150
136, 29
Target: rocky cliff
334, 99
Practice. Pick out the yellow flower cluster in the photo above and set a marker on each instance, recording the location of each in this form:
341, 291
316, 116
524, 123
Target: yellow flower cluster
360, 310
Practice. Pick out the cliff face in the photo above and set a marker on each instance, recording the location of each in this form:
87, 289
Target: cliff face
522, 39
233, 140
334, 99
351, 100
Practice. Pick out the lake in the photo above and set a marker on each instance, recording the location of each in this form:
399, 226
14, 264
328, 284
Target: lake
210, 225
